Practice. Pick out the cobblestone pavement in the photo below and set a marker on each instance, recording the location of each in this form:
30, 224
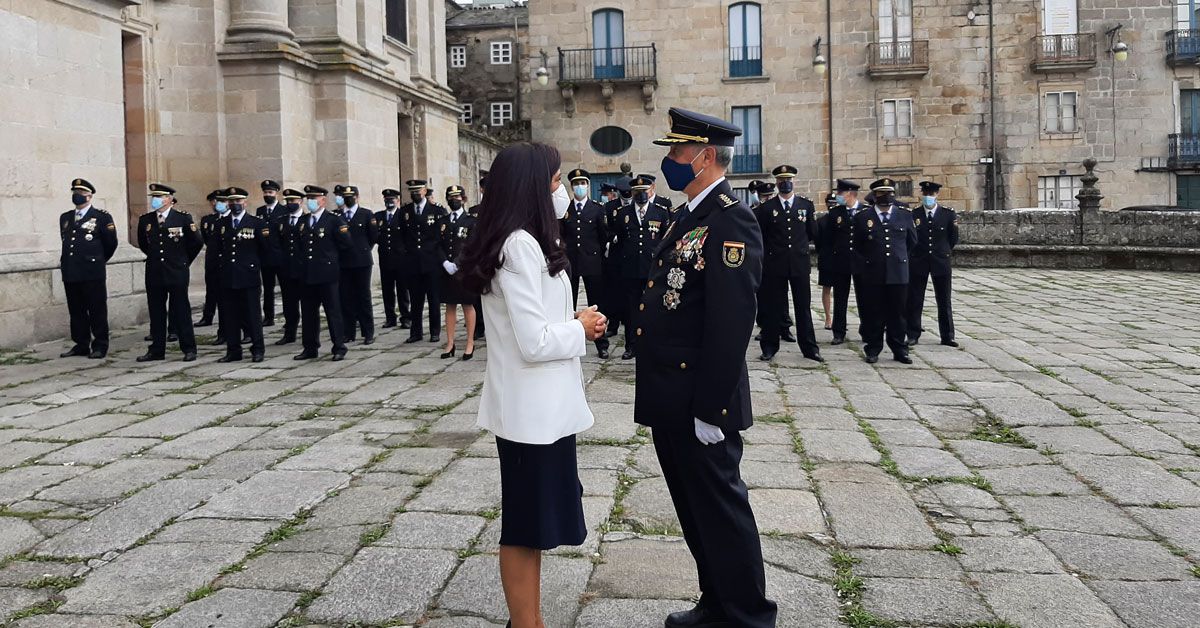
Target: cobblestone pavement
1044, 475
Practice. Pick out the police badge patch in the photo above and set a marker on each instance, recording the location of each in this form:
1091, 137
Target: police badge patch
734, 254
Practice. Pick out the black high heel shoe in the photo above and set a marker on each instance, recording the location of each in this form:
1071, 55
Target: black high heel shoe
467, 355
449, 354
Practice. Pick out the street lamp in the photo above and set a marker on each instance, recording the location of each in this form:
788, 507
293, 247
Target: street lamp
543, 74
820, 64
1118, 48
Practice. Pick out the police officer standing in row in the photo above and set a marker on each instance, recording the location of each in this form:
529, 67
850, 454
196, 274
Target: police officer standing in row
391, 261
270, 212
585, 234
655, 198
324, 239
89, 239
883, 237
423, 220
695, 319
170, 241
937, 235
614, 285
357, 264
243, 241
208, 234
788, 224
639, 231
838, 245
285, 234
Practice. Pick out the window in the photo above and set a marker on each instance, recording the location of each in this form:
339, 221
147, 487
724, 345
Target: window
1060, 17
611, 140
895, 29
745, 40
747, 149
897, 118
501, 52
1187, 13
904, 188
396, 16
1059, 192
1187, 191
608, 40
502, 113
458, 56
1060, 112
466, 115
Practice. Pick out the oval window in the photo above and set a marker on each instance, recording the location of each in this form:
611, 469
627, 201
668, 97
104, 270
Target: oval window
611, 140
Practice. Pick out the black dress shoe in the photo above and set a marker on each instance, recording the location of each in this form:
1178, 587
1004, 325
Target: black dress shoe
949, 343
698, 617
190, 356
435, 338
369, 340
204, 322
602, 354
767, 356
306, 355
229, 357
286, 340
74, 352
612, 331
219, 340
172, 338
871, 359
757, 337
338, 356
837, 340
815, 357
912, 342
97, 354
268, 322
148, 337
246, 340
628, 355
788, 336
389, 324
479, 335
412, 339
257, 357
904, 359
405, 325
151, 357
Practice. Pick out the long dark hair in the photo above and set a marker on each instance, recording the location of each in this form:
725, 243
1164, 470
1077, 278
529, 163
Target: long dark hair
517, 197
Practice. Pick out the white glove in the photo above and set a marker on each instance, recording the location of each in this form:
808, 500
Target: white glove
708, 434
450, 267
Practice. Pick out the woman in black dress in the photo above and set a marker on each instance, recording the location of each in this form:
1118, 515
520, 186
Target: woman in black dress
825, 262
455, 231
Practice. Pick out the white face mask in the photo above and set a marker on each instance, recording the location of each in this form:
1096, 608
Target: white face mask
562, 202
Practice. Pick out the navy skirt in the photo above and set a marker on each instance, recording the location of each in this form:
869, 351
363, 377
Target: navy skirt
541, 497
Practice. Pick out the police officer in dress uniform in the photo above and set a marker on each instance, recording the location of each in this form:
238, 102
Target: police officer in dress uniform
474, 212
788, 224
171, 241
422, 230
639, 230
455, 231
695, 320
585, 233
839, 246
270, 212
766, 192
324, 239
937, 235
243, 241
285, 234
614, 287
208, 234
391, 260
884, 235
661, 201
89, 239
357, 264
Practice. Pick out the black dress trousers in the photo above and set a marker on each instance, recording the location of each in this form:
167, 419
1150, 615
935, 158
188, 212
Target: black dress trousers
170, 311
87, 304
244, 312
916, 305
317, 297
883, 309
355, 286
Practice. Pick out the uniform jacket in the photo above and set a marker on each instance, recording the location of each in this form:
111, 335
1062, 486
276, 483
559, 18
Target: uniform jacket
786, 234
936, 239
364, 233
820, 240
87, 244
585, 234
423, 237
270, 216
838, 239
288, 244
663, 202
241, 251
637, 241
323, 245
170, 247
391, 241
208, 233
456, 234
612, 219
883, 250
696, 317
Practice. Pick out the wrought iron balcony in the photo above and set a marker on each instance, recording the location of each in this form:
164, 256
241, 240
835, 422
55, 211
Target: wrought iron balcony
1183, 47
1183, 151
898, 59
747, 158
595, 65
1064, 53
745, 61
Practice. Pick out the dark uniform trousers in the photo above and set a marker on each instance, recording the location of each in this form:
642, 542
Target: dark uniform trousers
882, 310
594, 286
270, 267
169, 307
395, 296
916, 301
87, 303
355, 286
422, 287
841, 302
328, 297
242, 310
775, 310
211, 290
290, 288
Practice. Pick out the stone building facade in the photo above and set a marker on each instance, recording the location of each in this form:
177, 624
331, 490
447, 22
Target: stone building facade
908, 91
202, 94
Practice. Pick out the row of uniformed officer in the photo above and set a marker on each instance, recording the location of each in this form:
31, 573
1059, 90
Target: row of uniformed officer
357, 264
270, 212
392, 255
585, 236
639, 229
420, 234
883, 237
612, 301
322, 239
937, 235
836, 248
242, 243
171, 241
89, 239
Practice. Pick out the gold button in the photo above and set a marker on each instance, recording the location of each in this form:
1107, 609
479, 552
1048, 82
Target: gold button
639, 331
642, 307
660, 262
650, 284
725, 413
683, 365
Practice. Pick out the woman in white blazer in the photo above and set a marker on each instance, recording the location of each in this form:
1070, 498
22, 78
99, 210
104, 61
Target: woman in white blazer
533, 398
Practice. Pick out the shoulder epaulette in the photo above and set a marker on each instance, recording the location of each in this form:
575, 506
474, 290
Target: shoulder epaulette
727, 201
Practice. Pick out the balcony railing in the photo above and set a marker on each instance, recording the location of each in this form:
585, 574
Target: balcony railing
1063, 53
747, 158
896, 58
1183, 150
1183, 47
745, 61
594, 65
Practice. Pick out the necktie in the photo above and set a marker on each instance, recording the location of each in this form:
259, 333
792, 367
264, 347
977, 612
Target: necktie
78, 216
579, 207
389, 216
236, 222
884, 216
641, 214
293, 222
787, 206
312, 220
349, 215
161, 218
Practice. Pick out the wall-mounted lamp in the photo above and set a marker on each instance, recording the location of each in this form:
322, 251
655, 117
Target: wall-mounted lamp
820, 64
1118, 48
543, 74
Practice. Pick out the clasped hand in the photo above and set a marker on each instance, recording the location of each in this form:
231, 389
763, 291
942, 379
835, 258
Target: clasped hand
707, 433
594, 323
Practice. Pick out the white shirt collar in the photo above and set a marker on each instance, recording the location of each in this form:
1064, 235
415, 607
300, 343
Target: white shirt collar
879, 212
421, 206
162, 214
317, 214
650, 199
695, 202
84, 211
457, 214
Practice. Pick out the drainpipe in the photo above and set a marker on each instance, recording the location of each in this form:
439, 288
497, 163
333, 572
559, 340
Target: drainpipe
829, 84
993, 182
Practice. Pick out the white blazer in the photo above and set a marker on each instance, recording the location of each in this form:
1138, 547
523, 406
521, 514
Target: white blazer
533, 389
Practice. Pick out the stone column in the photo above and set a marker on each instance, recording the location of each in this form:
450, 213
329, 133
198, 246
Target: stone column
1089, 198
258, 21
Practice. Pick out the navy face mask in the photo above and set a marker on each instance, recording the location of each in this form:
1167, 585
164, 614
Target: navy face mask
786, 187
678, 175
78, 199
641, 197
